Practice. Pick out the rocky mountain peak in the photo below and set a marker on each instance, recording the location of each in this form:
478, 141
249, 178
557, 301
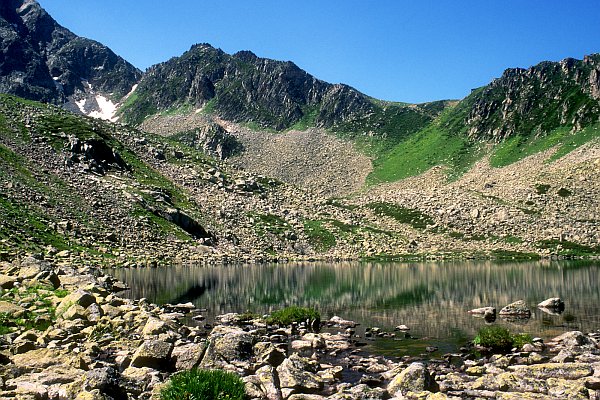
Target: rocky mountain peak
537, 100
41, 60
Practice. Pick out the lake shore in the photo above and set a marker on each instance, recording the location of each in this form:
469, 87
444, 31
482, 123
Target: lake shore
70, 336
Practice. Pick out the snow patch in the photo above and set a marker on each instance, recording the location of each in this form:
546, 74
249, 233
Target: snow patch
107, 109
131, 91
81, 105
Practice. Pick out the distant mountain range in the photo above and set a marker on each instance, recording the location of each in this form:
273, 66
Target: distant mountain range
41, 60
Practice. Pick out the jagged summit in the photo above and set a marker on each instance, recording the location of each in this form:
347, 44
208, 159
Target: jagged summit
41, 60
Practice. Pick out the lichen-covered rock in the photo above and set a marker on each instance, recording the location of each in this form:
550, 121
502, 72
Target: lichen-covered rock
553, 370
299, 373
414, 378
517, 309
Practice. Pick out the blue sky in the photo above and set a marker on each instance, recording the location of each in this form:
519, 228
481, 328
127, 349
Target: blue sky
413, 51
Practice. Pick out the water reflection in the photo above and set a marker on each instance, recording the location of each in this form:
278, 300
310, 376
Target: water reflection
431, 298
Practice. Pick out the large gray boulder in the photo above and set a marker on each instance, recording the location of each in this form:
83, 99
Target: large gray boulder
299, 374
154, 354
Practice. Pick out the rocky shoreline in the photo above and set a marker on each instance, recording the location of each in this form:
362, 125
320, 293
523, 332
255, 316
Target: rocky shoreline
70, 336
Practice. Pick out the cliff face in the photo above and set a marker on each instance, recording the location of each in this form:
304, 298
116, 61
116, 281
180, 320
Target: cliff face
41, 60
537, 100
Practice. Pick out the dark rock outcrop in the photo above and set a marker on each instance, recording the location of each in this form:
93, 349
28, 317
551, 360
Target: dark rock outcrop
41, 60
534, 101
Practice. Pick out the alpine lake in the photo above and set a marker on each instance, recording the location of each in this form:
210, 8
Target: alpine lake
431, 298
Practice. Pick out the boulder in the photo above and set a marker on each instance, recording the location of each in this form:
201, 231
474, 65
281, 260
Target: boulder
553, 370
263, 384
188, 356
154, 326
152, 354
228, 344
488, 313
576, 341
517, 309
7, 281
338, 321
267, 353
553, 303
414, 378
299, 374
80, 297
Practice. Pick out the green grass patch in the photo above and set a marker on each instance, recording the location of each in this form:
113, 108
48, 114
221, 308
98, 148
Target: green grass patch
318, 236
269, 223
568, 248
518, 147
412, 217
205, 385
288, 315
502, 254
499, 339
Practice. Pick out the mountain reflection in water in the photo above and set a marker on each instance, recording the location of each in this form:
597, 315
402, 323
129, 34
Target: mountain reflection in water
431, 298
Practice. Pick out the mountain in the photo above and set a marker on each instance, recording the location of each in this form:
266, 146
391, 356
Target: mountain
267, 94
525, 111
41, 60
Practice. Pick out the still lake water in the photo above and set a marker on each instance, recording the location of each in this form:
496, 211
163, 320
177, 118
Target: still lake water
430, 298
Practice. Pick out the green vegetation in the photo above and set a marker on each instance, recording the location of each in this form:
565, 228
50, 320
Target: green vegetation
567, 248
413, 217
562, 192
288, 315
542, 189
499, 339
205, 385
518, 147
269, 223
39, 319
318, 236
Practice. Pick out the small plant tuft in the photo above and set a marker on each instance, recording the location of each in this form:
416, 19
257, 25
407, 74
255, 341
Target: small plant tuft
204, 384
292, 314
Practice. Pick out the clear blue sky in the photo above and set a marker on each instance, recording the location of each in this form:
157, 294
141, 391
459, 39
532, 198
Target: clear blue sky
413, 51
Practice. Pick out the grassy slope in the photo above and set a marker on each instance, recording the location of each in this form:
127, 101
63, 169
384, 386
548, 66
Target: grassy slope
445, 142
24, 218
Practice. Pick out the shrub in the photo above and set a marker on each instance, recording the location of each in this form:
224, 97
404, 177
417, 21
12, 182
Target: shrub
198, 384
521, 339
293, 314
495, 338
499, 339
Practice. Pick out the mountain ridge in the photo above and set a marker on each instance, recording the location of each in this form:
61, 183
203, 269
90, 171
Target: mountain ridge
41, 60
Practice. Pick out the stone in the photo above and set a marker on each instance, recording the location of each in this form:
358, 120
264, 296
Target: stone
263, 384
553, 303
576, 341
10, 308
40, 359
152, 354
299, 373
338, 321
518, 309
7, 281
80, 297
415, 378
105, 379
188, 356
154, 326
553, 370
228, 344
267, 353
